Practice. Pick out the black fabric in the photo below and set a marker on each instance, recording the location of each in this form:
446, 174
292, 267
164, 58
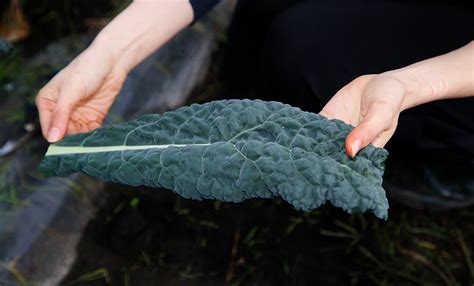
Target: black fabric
200, 7
303, 52
247, 36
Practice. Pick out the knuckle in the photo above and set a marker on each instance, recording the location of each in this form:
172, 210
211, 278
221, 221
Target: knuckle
41, 94
44, 93
38, 99
364, 78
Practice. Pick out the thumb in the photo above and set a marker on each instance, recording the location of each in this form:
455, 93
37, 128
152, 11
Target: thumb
59, 122
379, 118
68, 98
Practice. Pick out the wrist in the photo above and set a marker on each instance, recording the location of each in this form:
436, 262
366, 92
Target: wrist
417, 89
107, 49
442, 77
141, 28
96, 59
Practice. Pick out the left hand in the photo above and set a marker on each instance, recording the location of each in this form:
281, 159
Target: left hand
371, 103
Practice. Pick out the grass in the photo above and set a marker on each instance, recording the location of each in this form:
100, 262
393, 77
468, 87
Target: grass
266, 242
11, 268
143, 236
98, 274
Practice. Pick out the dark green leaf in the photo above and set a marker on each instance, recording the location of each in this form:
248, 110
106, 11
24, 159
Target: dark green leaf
231, 150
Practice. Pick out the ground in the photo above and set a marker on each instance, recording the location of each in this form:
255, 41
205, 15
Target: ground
146, 236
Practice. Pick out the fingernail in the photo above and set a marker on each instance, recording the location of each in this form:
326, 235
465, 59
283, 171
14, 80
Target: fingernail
355, 147
53, 135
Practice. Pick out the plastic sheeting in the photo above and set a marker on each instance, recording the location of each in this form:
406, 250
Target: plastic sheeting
41, 220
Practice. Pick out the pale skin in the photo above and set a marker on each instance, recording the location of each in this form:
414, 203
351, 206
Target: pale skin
78, 98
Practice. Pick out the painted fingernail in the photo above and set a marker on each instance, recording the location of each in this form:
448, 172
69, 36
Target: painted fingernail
53, 135
355, 147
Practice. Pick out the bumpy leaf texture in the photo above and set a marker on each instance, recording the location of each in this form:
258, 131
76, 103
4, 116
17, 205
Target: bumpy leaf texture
231, 150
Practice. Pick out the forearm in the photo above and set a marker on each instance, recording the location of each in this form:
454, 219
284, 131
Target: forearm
143, 27
447, 76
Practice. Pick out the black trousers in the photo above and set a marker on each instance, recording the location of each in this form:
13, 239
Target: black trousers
302, 52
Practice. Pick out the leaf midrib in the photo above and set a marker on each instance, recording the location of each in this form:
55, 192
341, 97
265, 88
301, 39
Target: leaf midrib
54, 150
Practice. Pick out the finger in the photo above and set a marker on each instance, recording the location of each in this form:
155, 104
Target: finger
384, 137
378, 119
71, 128
94, 125
44, 116
59, 122
326, 114
83, 127
71, 93
45, 103
344, 105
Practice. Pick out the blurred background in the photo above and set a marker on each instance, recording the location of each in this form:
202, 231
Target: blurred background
79, 231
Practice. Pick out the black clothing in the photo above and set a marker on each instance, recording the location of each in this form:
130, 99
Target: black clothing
302, 52
200, 7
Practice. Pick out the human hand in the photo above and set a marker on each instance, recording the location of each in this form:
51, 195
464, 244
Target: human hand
78, 98
371, 103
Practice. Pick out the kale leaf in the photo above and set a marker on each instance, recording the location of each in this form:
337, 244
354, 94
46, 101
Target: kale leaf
231, 150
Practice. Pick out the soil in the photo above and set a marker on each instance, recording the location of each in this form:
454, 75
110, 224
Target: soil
148, 237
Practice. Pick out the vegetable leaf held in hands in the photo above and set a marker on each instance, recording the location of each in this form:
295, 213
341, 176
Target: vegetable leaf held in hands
231, 150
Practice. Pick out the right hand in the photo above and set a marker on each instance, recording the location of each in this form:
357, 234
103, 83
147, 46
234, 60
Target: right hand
78, 98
